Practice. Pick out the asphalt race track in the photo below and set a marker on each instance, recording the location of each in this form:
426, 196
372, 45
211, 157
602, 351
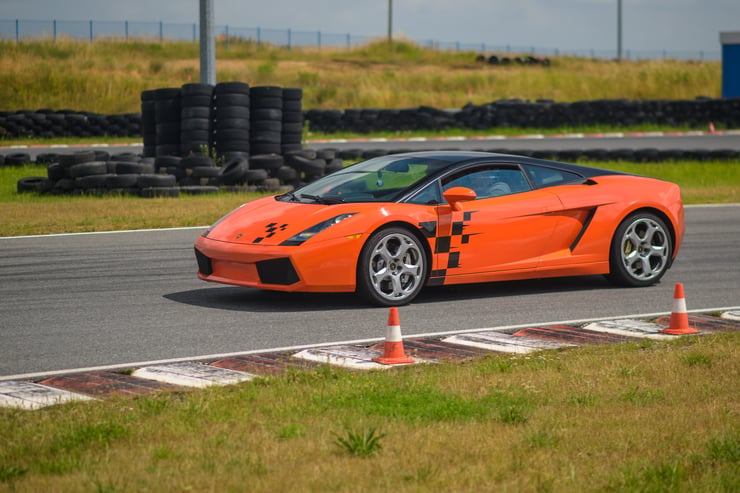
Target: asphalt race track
74, 301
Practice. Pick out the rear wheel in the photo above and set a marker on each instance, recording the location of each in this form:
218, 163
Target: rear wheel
641, 250
392, 268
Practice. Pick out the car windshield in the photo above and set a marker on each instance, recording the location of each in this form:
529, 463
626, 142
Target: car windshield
380, 179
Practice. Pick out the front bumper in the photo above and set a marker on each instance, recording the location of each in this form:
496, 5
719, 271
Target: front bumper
326, 266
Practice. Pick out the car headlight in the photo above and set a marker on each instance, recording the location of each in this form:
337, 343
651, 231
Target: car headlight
315, 229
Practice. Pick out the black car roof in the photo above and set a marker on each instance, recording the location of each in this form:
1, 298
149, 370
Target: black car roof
471, 157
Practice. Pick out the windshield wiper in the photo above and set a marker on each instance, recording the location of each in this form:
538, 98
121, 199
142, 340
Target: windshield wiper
289, 196
322, 200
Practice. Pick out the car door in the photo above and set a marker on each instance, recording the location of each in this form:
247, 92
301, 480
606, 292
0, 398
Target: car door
497, 236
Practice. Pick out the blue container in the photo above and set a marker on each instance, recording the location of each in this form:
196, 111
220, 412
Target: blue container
730, 64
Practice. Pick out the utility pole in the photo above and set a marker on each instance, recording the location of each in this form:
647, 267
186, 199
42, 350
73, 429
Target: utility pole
619, 30
390, 23
207, 43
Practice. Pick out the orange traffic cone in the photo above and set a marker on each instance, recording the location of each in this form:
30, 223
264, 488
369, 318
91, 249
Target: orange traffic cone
679, 323
711, 127
393, 353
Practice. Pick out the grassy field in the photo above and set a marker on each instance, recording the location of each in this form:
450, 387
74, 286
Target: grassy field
108, 76
633, 417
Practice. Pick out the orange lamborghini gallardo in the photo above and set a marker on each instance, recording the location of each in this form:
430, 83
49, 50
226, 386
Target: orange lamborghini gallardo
389, 226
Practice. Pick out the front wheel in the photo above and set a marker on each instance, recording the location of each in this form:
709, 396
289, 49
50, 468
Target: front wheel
392, 267
641, 250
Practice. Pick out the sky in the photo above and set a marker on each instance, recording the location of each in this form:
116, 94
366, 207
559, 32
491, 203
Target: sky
545, 25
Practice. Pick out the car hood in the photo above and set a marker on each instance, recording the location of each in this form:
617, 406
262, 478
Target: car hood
268, 221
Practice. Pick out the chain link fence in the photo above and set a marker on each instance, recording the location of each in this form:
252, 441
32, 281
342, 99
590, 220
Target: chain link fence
27, 30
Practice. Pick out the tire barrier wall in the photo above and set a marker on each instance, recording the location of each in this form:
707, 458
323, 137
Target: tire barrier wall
525, 114
47, 124
163, 128
96, 172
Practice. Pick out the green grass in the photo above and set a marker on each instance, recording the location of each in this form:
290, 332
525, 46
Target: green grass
108, 76
556, 421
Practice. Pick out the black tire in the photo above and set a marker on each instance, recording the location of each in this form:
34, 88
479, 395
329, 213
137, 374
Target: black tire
55, 171
88, 169
196, 89
68, 160
266, 92
270, 114
121, 181
33, 184
18, 159
643, 264
89, 182
231, 87
199, 190
257, 126
230, 99
265, 148
234, 171
188, 112
267, 102
292, 93
206, 172
155, 181
267, 162
154, 192
231, 123
380, 255
255, 176
126, 168
233, 111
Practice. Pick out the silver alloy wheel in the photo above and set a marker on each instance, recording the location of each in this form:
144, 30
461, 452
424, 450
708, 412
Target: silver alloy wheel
645, 247
396, 266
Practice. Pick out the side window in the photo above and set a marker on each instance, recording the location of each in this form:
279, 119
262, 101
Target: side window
489, 181
547, 177
429, 195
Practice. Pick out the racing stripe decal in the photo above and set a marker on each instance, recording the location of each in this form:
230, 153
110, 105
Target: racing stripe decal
451, 235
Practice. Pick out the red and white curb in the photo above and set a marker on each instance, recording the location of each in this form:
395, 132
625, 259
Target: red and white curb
630, 328
31, 396
236, 368
189, 374
353, 357
505, 343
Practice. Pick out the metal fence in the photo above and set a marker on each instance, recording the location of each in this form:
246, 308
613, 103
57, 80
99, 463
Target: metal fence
23, 30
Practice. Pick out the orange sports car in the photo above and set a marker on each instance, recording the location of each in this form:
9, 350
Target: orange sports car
389, 226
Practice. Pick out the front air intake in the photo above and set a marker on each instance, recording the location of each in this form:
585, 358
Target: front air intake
277, 271
204, 263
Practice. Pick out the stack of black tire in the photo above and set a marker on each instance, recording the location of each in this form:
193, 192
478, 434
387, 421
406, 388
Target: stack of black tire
195, 119
292, 129
96, 172
266, 120
231, 120
148, 123
167, 118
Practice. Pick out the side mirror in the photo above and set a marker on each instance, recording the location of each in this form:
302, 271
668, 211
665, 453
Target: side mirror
456, 195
